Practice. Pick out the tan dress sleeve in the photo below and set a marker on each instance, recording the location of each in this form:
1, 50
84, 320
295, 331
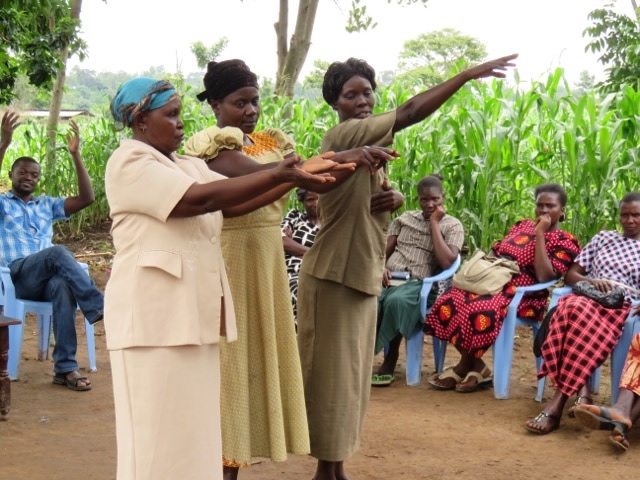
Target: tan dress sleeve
208, 143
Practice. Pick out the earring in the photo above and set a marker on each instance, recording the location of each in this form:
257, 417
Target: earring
143, 128
563, 217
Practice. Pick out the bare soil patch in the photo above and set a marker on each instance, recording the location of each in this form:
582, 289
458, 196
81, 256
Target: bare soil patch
410, 432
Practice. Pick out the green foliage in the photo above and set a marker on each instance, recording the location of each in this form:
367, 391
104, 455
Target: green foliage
32, 33
316, 77
205, 54
360, 20
616, 37
430, 58
492, 143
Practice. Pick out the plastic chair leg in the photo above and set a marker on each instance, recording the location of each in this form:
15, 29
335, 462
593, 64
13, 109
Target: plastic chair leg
91, 346
439, 353
16, 333
502, 359
415, 350
44, 336
542, 382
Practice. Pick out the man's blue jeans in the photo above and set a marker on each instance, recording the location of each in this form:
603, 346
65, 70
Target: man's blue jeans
53, 275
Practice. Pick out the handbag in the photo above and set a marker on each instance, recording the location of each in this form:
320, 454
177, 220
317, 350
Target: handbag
612, 299
485, 275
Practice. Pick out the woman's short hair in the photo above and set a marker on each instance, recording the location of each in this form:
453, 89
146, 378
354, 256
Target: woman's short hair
339, 73
630, 198
552, 188
223, 78
431, 181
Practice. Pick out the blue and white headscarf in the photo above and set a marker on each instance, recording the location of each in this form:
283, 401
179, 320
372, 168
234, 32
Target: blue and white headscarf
139, 95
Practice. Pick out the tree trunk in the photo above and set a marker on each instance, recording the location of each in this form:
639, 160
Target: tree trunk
635, 9
56, 96
291, 63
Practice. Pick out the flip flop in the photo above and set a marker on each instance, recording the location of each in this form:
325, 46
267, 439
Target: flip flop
538, 419
604, 421
572, 411
621, 443
446, 373
72, 383
382, 380
482, 381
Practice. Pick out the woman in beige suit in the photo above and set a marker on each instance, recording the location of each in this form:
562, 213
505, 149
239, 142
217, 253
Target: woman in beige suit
168, 299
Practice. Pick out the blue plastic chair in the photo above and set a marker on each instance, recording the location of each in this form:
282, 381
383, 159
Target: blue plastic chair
18, 308
503, 347
415, 343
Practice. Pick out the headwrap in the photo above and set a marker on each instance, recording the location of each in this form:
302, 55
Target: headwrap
139, 95
223, 78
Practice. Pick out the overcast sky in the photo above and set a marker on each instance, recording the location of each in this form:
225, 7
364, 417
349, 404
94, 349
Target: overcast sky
133, 35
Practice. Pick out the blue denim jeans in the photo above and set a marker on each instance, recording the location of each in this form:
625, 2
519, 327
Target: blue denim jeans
53, 275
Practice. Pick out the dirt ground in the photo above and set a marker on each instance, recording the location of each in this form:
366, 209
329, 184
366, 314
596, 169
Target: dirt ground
410, 432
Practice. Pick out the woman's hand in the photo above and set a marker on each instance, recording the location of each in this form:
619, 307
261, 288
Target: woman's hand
373, 157
601, 284
438, 214
323, 163
543, 223
387, 201
492, 68
289, 171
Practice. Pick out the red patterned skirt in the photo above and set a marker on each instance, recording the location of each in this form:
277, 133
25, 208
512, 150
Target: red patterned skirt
467, 320
582, 333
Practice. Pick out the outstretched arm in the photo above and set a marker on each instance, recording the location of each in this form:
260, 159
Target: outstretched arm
9, 125
424, 104
236, 196
85, 195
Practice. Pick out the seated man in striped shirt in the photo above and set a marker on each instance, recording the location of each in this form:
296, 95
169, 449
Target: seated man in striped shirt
421, 243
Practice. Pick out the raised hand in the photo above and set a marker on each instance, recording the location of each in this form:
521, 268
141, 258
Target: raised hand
73, 138
492, 68
10, 121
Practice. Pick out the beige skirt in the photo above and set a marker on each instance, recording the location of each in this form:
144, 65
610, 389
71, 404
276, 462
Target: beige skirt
336, 335
167, 405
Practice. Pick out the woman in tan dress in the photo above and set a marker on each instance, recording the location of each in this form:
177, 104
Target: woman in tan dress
168, 301
341, 275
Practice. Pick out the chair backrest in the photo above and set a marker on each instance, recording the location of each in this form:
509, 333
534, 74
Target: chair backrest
8, 291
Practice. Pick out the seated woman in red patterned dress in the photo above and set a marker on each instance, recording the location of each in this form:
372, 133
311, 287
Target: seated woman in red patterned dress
471, 322
582, 333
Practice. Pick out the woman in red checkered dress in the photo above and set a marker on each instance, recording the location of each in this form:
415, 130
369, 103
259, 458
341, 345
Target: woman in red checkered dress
582, 333
471, 322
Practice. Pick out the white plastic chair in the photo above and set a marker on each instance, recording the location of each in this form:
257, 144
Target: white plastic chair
18, 308
415, 344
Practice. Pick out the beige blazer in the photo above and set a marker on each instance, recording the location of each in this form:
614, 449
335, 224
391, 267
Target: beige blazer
168, 283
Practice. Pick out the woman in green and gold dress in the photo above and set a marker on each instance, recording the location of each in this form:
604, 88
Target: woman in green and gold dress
262, 398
